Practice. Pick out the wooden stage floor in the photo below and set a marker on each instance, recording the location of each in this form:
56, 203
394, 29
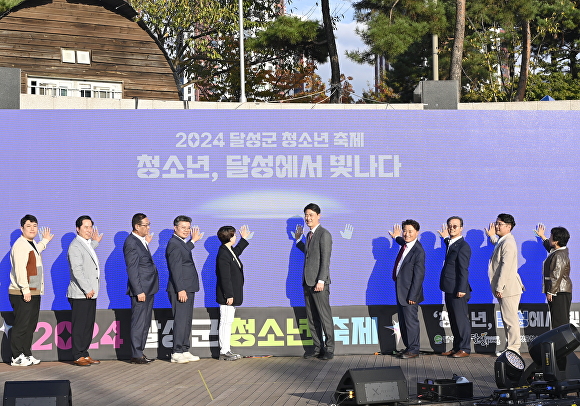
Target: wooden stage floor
288, 381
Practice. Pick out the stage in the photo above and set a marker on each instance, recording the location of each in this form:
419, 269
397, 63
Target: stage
250, 381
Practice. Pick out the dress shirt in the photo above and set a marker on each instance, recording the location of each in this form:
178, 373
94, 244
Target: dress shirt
312, 230
89, 245
143, 240
451, 241
501, 239
409, 246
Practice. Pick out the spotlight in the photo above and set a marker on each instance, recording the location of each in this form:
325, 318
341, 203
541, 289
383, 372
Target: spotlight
565, 339
508, 369
550, 351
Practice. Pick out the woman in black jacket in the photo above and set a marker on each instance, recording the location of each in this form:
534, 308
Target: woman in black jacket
230, 284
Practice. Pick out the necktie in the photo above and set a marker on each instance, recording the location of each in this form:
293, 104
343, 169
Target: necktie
399, 256
308, 238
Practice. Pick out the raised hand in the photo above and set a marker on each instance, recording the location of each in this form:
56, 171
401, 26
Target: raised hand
246, 233
95, 236
45, 233
396, 231
490, 231
196, 235
299, 231
540, 231
443, 232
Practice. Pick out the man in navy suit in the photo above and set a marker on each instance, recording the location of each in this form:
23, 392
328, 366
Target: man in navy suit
454, 282
408, 274
142, 284
182, 285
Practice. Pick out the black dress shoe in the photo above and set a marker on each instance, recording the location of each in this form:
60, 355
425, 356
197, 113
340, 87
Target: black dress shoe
327, 356
141, 360
311, 354
148, 359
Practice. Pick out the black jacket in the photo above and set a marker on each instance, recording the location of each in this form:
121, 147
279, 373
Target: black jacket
230, 275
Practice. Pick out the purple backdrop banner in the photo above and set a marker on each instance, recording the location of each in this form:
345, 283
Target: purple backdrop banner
366, 169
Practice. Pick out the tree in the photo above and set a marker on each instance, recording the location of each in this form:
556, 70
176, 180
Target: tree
202, 39
335, 87
458, 43
525, 64
400, 32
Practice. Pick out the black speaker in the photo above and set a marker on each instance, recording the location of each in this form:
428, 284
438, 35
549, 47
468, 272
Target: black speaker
437, 94
363, 386
37, 393
9, 88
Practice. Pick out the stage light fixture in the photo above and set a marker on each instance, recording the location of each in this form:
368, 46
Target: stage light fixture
565, 338
550, 351
508, 369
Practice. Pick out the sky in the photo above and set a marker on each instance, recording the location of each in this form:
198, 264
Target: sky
346, 39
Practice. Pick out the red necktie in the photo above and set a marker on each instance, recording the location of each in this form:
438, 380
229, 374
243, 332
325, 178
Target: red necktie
399, 256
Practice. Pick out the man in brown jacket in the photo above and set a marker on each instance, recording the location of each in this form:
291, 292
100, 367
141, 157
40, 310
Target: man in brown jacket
26, 286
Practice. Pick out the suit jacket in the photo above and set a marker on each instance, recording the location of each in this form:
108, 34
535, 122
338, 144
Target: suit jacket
230, 274
455, 272
503, 267
317, 257
141, 270
182, 272
84, 270
411, 274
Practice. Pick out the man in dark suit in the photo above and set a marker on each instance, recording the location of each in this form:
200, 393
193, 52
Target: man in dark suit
142, 284
408, 274
454, 282
182, 285
316, 281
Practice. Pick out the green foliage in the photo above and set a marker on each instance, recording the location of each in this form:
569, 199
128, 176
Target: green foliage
292, 36
559, 85
400, 29
393, 27
6, 5
202, 40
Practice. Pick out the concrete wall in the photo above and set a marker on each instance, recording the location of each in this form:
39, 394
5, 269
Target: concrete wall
32, 102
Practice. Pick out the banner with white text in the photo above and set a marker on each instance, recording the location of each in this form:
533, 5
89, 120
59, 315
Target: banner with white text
368, 170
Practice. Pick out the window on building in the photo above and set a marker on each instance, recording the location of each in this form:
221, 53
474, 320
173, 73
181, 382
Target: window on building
74, 88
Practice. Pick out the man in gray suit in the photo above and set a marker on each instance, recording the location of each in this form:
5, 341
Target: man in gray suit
506, 284
316, 281
83, 288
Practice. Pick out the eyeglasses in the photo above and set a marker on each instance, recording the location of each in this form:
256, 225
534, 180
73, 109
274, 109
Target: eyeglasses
145, 225
500, 224
453, 227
